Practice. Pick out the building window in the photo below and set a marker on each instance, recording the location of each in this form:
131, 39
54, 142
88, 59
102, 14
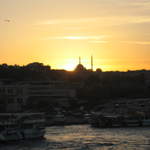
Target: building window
20, 91
10, 100
10, 91
2, 90
19, 100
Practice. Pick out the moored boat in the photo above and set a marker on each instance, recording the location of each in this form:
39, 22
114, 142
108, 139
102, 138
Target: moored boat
146, 122
105, 121
132, 122
17, 126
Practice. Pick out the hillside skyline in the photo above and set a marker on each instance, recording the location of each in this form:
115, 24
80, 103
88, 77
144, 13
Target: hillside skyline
79, 66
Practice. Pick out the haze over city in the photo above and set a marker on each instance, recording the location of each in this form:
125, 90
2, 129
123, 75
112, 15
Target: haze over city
57, 32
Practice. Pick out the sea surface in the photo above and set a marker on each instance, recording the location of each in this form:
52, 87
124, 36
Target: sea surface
83, 137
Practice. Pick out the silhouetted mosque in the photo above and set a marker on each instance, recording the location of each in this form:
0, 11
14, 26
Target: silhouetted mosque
80, 67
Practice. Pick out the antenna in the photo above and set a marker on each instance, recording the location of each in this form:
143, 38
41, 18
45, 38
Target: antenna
92, 63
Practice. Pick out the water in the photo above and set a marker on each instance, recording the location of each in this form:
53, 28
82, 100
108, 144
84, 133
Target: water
83, 137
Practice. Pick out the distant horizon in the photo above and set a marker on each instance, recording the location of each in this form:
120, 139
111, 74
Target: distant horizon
51, 68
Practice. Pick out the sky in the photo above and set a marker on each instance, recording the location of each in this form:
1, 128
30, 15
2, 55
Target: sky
56, 32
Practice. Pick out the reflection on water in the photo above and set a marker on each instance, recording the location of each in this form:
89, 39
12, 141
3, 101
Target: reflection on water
85, 138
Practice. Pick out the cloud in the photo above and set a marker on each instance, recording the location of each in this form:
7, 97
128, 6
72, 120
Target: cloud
68, 21
137, 42
98, 21
98, 42
140, 3
95, 38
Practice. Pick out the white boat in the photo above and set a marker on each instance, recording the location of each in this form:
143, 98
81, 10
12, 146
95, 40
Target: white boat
17, 126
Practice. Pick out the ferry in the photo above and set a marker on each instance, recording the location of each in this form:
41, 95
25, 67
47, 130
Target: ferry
21, 126
106, 121
103, 121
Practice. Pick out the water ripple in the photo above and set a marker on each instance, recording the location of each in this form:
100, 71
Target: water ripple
83, 137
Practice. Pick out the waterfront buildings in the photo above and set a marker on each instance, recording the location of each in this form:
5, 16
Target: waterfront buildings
17, 95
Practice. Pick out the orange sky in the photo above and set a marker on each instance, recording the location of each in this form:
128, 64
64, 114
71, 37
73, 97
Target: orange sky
57, 32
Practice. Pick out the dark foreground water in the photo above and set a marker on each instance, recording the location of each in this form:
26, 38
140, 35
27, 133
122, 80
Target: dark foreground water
83, 137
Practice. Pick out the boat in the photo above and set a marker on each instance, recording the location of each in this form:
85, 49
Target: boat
110, 121
107, 120
129, 121
146, 122
21, 126
94, 119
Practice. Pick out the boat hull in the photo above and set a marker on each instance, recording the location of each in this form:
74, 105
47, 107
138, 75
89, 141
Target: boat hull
10, 135
33, 133
21, 135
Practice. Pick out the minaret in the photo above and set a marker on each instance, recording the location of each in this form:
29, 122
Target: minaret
79, 60
92, 63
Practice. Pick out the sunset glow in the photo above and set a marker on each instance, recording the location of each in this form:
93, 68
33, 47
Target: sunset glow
69, 67
117, 33
69, 64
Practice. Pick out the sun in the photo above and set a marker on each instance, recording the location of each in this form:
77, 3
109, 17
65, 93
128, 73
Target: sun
70, 65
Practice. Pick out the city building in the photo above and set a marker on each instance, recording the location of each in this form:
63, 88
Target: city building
17, 95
